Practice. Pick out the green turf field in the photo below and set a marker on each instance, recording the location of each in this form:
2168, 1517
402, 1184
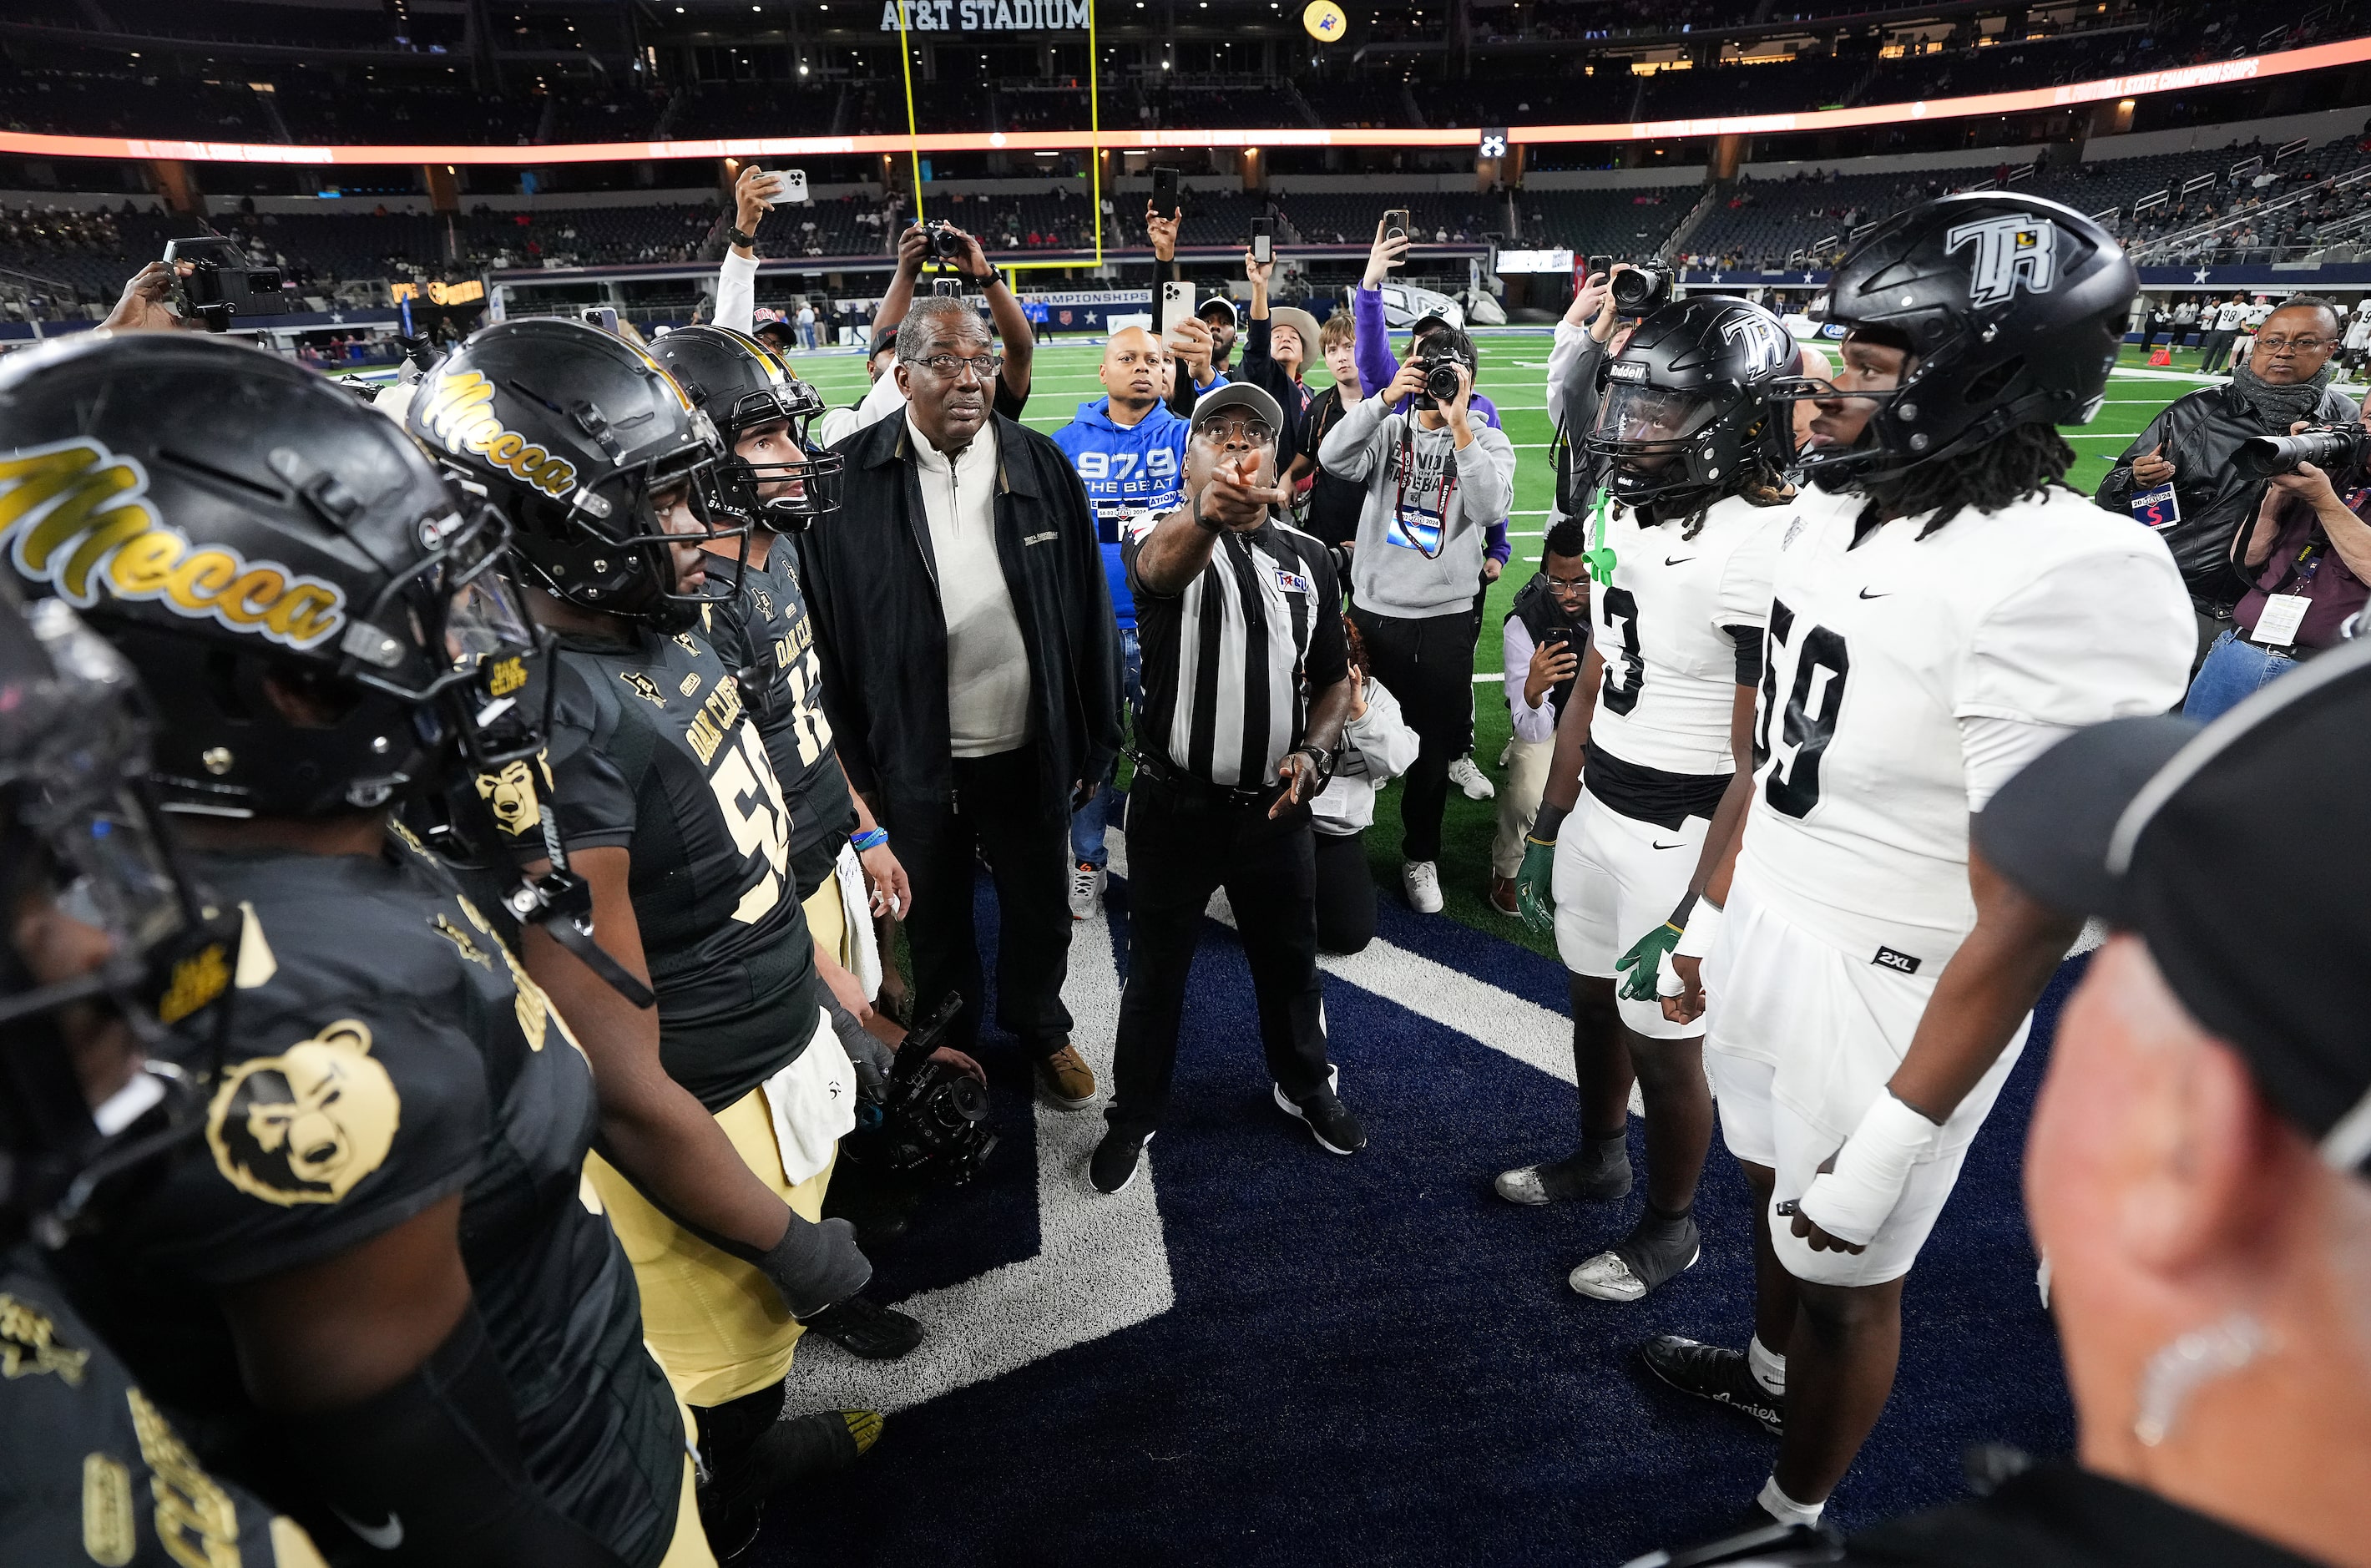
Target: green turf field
1513, 372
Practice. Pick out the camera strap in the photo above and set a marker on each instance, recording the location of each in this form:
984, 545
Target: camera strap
1409, 468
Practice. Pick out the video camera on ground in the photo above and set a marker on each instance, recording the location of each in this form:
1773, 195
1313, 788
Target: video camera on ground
213, 282
1639, 290
2342, 451
934, 1118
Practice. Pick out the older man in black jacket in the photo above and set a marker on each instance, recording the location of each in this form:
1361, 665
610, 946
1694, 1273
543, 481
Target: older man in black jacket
971, 674
2192, 441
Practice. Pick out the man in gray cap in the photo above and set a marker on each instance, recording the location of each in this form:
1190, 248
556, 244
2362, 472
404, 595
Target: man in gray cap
1246, 690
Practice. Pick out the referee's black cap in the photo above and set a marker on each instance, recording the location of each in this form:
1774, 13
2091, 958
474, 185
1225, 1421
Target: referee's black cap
1242, 395
2237, 850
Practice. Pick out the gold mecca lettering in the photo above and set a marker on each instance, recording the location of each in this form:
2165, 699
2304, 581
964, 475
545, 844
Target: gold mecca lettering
456, 413
76, 515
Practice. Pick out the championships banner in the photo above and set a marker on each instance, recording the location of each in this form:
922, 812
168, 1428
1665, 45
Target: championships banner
2319, 56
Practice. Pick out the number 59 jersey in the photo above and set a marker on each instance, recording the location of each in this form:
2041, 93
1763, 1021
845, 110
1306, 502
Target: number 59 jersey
2048, 611
654, 750
1662, 622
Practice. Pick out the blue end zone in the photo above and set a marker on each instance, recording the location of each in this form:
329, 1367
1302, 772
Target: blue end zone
1373, 1359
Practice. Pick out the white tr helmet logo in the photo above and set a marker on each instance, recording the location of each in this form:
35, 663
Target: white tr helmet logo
2013, 249
1767, 341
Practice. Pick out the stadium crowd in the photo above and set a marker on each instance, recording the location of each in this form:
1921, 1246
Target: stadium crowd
619, 695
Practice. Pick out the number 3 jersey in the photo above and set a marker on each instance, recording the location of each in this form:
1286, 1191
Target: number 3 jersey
653, 750
1884, 644
1679, 623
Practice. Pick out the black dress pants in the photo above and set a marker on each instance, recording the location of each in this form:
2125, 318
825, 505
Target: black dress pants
1180, 847
1429, 665
1345, 893
998, 813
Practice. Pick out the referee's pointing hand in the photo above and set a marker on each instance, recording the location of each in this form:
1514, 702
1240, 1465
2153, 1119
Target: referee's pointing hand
1235, 499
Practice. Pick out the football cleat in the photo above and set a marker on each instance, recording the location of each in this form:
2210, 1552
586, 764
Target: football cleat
1583, 1175
1653, 1253
1710, 1372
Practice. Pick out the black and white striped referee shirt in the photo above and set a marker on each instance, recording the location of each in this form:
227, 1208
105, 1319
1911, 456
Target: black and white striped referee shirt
1231, 663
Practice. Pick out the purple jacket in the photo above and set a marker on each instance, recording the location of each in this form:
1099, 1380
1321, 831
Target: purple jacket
1378, 365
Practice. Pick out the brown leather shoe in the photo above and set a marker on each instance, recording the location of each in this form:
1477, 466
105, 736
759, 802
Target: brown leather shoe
1502, 896
1066, 1079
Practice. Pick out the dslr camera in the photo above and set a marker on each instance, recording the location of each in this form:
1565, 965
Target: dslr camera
1640, 289
946, 244
219, 283
933, 1121
1439, 380
2342, 451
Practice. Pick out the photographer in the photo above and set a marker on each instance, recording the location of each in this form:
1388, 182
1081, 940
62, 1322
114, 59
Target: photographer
1331, 512
2307, 558
1585, 339
2192, 445
1226, 768
1202, 345
1541, 643
1436, 480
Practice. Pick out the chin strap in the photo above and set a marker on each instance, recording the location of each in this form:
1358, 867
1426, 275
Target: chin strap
562, 904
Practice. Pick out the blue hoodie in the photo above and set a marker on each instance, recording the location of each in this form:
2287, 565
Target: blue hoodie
1139, 469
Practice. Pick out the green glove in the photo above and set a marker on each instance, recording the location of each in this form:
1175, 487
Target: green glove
1645, 961
1536, 886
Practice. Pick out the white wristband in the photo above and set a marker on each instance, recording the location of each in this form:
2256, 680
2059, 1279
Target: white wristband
1703, 930
1669, 983
1852, 1202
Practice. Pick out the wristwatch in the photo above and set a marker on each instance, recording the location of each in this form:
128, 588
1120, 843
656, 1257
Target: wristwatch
1323, 761
733, 235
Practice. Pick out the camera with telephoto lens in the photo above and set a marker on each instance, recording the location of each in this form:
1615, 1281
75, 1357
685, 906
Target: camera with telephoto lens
946, 245
219, 281
934, 1118
1639, 290
2342, 451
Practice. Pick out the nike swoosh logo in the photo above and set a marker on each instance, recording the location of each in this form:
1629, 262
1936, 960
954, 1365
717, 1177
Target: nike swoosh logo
1676, 560
1681, 845
1866, 594
385, 1538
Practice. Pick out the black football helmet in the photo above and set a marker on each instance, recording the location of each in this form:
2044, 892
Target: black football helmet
744, 387
571, 431
110, 944
2014, 308
1684, 407
321, 618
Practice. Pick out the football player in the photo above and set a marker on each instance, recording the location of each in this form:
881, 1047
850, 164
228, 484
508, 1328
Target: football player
1943, 609
92, 1467
1680, 551
724, 1103
375, 1296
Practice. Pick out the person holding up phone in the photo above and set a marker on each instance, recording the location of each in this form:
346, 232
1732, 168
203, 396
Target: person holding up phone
1200, 345
1541, 641
1275, 347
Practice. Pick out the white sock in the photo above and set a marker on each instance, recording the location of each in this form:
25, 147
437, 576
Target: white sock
1784, 1509
1769, 1367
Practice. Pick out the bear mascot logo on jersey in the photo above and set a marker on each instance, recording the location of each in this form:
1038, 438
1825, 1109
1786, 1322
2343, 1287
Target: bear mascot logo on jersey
305, 1126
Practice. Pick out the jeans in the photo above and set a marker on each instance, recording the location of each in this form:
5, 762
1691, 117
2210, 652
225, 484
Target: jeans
2233, 672
1088, 821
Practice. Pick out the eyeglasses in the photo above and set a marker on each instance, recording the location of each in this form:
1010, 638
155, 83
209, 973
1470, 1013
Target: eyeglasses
1567, 584
2303, 345
949, 367
1229, 431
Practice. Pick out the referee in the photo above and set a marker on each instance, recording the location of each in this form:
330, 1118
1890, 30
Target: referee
1245, 691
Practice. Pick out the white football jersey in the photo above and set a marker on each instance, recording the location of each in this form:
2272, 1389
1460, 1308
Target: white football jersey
2050, 611
1671, 671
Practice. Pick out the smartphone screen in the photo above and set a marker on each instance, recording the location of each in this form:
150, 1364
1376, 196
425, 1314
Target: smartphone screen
1177, 305
1262, 241
1395, 224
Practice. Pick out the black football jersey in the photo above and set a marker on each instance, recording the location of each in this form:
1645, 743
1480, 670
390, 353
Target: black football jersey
90, 1468
766, 628
651, 748
390, 1051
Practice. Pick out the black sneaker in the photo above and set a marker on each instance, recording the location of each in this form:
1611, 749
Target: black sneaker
1711, 1373
1117, 1159
861, 1327
1658, 1247
1330, 1121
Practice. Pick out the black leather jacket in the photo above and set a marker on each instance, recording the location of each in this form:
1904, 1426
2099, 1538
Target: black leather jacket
2200, 433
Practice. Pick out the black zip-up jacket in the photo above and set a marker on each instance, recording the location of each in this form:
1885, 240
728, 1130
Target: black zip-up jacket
880, 631
2201, 432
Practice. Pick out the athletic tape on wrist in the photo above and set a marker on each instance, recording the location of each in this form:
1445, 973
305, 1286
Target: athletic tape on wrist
1852, 1202
1703, 928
